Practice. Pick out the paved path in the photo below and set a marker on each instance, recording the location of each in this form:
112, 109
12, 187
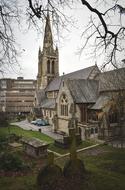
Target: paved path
79, 150
44, 129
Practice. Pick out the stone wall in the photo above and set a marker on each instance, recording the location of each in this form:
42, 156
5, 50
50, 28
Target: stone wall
63, 125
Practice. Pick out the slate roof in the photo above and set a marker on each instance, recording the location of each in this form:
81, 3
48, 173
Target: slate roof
101, 101
83, 91
48, 103
80, 74
40, 94
112, 80
55, 84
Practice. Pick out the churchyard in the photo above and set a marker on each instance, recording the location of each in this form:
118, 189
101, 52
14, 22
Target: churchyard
105, 165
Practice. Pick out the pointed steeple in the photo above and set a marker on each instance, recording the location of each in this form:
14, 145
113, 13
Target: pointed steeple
48, 39
48, 58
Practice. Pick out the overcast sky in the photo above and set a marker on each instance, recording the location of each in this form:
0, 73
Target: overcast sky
69, 58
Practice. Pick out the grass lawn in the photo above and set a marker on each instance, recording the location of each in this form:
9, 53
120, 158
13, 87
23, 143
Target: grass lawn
18, 183
18, 131
105, 169
105, 165
28, 134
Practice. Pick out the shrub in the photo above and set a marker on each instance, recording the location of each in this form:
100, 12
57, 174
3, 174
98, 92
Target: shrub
10, 162
3, 120
3, 143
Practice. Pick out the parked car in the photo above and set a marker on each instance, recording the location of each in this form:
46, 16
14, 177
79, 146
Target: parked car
40, 122
46, 122
33, 122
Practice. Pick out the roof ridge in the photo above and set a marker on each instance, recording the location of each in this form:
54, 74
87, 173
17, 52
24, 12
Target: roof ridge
78, 70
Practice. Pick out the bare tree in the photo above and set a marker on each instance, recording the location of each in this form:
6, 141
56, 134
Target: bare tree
104, 26
107, 30
37, 11
8, 16
12, 12
108, 34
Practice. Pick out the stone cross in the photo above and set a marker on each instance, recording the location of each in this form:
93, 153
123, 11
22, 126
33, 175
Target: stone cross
73, 152
50, 158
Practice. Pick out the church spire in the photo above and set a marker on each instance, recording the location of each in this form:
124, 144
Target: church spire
48, 39
48, 58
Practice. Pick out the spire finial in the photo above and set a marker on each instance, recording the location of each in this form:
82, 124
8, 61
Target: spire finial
48, 40
48, 3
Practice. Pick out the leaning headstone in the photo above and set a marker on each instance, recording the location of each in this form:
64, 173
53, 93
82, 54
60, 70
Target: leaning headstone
73, 153
74, 170
49, 177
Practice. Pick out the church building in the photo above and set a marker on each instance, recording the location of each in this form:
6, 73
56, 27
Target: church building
76, 94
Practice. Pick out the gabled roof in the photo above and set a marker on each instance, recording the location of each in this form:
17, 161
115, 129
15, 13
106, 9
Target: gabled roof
54, 84
80, 74
48, 103
100, 103
112, 80
83, 91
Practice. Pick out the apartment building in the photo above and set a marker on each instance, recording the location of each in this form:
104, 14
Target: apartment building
17, 95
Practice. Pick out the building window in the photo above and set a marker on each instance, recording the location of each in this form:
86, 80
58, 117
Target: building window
64, 105
48, 66
92, 131
96, 130
53, 67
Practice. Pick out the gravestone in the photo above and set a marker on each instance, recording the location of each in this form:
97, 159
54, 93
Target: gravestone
50, 176
74, 170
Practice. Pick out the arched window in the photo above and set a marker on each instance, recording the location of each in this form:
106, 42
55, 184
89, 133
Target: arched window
53, 67
64, 105
48, 66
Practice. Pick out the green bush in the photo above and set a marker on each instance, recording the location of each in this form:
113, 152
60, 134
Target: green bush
3, 143
4, 123
10, 162
13, 137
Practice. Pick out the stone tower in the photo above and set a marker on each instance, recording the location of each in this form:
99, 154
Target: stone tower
48, 59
